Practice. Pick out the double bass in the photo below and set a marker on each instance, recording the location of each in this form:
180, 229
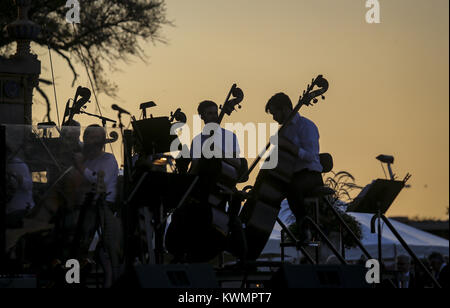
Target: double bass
260, 211
199, 228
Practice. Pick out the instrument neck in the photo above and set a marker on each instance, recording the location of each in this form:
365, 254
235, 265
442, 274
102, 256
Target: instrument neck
221, 116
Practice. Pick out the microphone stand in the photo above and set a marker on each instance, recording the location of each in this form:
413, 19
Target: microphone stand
3, 252
104, 119
127, 168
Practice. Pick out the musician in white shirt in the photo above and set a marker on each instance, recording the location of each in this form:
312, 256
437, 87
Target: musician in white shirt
303, 134
225, 140
223, 143
20, 186
94, 159
90, 163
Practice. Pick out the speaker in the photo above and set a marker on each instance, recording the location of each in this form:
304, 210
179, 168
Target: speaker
18, 282
320, 276
200, 276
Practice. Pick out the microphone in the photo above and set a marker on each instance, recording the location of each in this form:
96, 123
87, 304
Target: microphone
120, 110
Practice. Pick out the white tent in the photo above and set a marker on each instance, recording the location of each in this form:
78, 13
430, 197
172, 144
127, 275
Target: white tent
272, 249
422, 243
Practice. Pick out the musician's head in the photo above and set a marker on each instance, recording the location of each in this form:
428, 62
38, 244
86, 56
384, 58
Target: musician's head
279, 106
436, 260
70, 132
208, 112
403, 263
94, 139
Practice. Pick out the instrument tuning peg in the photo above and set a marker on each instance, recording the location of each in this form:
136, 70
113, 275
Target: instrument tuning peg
239, 106
315, 101
323, 96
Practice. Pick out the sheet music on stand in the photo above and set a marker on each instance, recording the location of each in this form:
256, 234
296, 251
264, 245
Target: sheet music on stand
155, 134
379, 195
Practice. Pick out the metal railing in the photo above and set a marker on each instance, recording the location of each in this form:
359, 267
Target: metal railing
404, 244
2, 196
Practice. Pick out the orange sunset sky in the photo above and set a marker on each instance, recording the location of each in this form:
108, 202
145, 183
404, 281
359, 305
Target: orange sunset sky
388, 92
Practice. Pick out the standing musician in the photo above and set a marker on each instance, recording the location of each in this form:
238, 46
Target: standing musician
304, 135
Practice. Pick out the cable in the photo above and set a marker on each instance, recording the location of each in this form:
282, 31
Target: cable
90, 81
89, 75
54, 86
53, 80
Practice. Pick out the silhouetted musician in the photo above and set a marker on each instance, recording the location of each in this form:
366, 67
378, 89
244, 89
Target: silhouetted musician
304, 135
222, 143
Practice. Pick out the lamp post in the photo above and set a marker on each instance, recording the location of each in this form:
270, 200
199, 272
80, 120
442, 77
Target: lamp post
19, 74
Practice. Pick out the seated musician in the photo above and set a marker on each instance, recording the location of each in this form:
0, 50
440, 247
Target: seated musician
70, 195
191, 226
69, 143
19, 190
304, 135
70, 135
92, 161
228, 146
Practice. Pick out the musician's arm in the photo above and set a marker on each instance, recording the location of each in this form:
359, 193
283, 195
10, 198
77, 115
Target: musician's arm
111, 170
25, 179
306, 155
310, 140
195, 154
184, 160
111, 175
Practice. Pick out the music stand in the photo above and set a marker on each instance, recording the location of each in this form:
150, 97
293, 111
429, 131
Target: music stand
154, 137
154, 134
376, 198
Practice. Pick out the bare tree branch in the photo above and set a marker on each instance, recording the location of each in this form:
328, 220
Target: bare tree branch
110, 31
47, 101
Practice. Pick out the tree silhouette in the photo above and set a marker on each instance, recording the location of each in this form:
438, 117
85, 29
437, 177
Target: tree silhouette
109, 31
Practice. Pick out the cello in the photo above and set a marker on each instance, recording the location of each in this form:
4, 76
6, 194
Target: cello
260, 211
